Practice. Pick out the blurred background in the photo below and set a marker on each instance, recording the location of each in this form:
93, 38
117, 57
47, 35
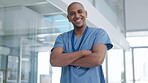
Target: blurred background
28, 29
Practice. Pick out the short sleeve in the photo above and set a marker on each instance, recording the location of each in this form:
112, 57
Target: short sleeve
59, 42
103, 38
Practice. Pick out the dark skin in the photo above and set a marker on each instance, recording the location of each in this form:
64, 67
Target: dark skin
77, 15
83, 58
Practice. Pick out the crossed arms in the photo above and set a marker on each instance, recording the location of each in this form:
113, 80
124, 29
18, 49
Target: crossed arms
82, 58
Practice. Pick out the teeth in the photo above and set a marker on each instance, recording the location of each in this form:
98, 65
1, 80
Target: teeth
78, 20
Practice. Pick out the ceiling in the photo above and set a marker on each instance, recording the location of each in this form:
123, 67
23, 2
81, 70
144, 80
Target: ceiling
136, 11
42, 7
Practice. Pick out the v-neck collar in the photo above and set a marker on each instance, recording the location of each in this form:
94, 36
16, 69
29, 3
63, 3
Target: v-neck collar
81, 39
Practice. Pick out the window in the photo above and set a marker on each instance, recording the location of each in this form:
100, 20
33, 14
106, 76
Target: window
115, 66
141, 65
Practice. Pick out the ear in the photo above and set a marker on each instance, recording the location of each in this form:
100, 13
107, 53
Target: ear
68, 18
86, 13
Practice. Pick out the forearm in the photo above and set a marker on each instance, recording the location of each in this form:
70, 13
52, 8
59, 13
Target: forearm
64, 59
91, 60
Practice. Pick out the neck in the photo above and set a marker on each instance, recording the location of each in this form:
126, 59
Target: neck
79, 31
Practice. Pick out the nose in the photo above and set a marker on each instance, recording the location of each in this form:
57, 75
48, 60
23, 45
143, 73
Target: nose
77, 15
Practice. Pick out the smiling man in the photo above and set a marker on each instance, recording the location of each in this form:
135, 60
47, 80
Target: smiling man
80, 52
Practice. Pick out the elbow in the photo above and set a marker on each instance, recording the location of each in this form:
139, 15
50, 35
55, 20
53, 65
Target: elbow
57, 63
52, 63
99, 62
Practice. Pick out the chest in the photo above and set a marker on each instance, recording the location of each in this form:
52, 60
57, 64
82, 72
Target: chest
82, 44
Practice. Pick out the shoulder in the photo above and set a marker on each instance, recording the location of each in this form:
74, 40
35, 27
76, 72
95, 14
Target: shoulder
65, 34
97, 30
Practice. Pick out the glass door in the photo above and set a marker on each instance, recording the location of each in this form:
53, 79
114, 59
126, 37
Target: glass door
12, 69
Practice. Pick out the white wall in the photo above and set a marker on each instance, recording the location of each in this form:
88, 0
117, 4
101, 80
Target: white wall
136, 15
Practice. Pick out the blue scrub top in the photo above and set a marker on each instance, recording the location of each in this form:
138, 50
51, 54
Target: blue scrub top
73, 74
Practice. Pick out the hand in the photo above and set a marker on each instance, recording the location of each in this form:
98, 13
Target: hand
86, 52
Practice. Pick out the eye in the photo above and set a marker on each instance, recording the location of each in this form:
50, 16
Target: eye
71, 13
80, 11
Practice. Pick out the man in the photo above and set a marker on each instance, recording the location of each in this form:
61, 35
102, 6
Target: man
80, 52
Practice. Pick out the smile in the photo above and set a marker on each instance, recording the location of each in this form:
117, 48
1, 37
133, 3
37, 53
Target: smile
77, 20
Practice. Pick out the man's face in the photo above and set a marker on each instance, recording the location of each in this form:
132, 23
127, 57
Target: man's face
77, 15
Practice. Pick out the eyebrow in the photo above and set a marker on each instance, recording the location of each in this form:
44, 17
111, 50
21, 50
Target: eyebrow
77, 10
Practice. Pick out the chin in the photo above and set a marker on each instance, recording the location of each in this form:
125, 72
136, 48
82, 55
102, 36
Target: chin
78, 26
